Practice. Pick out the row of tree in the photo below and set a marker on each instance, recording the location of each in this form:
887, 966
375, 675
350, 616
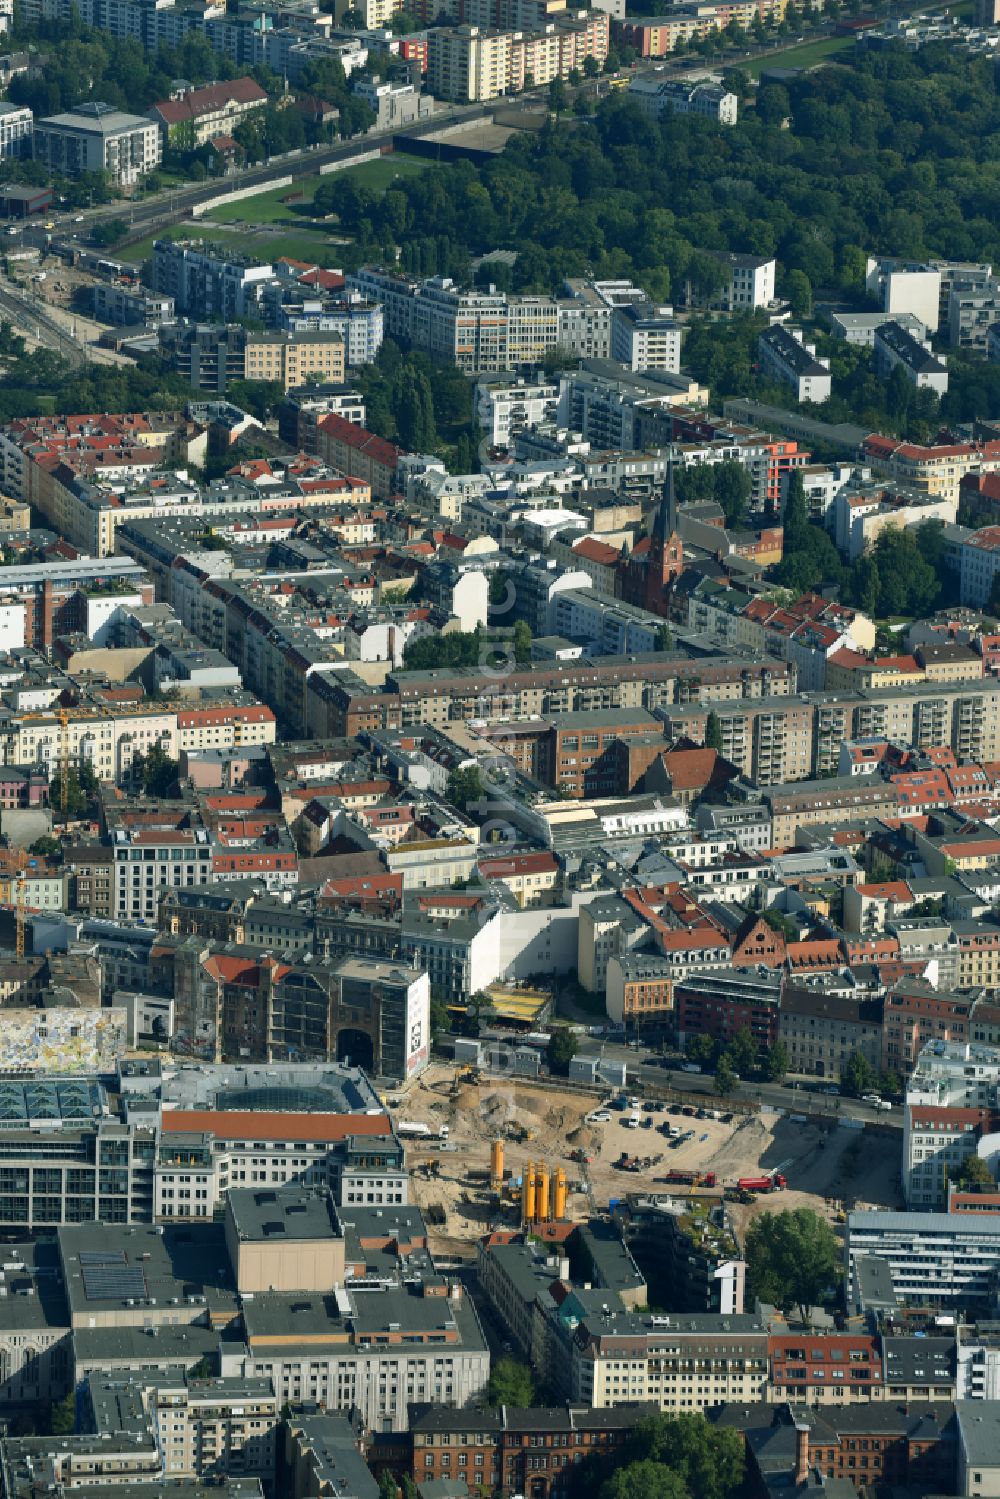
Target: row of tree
422, 403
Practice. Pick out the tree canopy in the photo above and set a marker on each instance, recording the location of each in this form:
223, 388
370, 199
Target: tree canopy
562, 1048
511, 1383
792, 1258
680, 1457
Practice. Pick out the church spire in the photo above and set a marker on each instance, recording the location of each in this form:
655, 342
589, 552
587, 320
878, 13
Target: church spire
666, 515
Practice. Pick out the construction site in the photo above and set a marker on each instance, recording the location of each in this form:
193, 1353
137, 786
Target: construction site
492, 1152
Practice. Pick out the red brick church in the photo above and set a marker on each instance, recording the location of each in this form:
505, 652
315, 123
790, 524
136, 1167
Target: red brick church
647, 574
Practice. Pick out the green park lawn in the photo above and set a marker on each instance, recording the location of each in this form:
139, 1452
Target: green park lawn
283, 214
806, 56
274, 207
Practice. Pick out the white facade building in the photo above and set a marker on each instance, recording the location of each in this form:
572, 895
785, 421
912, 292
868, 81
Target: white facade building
706, 97
784, 353
645, 337
16, 121
897, 348
504, 407
902, 286
96, 137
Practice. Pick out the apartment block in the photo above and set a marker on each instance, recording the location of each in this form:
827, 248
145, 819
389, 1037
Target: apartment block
779, 740
784, 354
705, 97
897, 348
824, 1029
681, 1362
750, 284
96, 137
917, 1013
645, 337
207, 282
473, 63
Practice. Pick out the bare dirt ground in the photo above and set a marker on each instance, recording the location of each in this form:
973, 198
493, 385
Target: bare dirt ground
829, 1168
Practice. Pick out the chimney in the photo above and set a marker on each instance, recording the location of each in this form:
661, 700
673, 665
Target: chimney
801, 1453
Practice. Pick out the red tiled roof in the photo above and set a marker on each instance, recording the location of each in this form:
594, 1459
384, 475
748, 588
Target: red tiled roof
887, 890
203, 101
593, 550
541, 863
689, 770
246, 1124
361, 440
848, 658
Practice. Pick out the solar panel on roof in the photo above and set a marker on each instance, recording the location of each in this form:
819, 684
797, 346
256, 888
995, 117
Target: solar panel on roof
112, 1282
102, 1257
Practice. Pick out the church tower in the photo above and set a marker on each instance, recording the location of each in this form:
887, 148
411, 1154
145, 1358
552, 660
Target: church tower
665, 560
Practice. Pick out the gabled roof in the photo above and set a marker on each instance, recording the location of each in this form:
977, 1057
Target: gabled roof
204, 101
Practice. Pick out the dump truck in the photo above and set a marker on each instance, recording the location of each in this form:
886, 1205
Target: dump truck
692, 1178
773, 1183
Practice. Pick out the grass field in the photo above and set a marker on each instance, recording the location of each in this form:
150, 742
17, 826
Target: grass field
286, 225
274, 208
806, 56
299, 243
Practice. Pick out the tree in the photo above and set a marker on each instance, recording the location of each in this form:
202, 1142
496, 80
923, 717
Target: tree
522, 642
858, 1076
465, 787
258, 397
591, 67
440, 1018
973, 1172
732, 487
388, 1487
558, 98
562, 1048
776, 1063
76, 800
109, 232
798, 290
63, 1420
700, 1049
713, 732
157, 771
779, 922
741, 1052
725, 1078
664, 638
46, 847
792, 1258
511, 1383
889, 1084
709, 1462
643, 1480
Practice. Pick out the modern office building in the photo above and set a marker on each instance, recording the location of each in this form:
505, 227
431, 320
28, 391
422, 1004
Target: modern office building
944, 1260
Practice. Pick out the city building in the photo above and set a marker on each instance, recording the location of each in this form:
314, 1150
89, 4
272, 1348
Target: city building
785, 354
16, 127
209, 356
96, 137
706, 97
193, 116
897, 348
